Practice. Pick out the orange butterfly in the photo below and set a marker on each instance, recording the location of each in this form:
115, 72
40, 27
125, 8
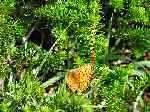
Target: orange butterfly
79, 79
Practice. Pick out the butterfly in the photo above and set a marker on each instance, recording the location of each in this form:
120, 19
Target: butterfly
78, 79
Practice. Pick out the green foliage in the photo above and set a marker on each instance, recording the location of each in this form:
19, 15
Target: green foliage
132, 21
117, 4
119, 87
9, 31
76, 28
84, 18
139, 14
69, 102
24, 93
27, 95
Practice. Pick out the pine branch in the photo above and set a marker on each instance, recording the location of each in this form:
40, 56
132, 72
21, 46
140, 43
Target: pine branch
49, 53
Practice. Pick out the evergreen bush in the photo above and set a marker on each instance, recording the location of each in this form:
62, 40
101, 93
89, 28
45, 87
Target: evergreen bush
70, 29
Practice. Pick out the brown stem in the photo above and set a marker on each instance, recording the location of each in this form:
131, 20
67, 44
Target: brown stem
93, 56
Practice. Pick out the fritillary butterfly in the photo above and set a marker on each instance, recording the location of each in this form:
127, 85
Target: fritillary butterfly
79, 79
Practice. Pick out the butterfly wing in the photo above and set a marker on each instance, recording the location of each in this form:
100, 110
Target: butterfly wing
72, 80
85, 77
79, 79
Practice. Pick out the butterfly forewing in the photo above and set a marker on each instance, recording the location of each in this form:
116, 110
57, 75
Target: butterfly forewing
72, 81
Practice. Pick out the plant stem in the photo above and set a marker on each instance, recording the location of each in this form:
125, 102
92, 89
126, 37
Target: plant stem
49, 53
108, 38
